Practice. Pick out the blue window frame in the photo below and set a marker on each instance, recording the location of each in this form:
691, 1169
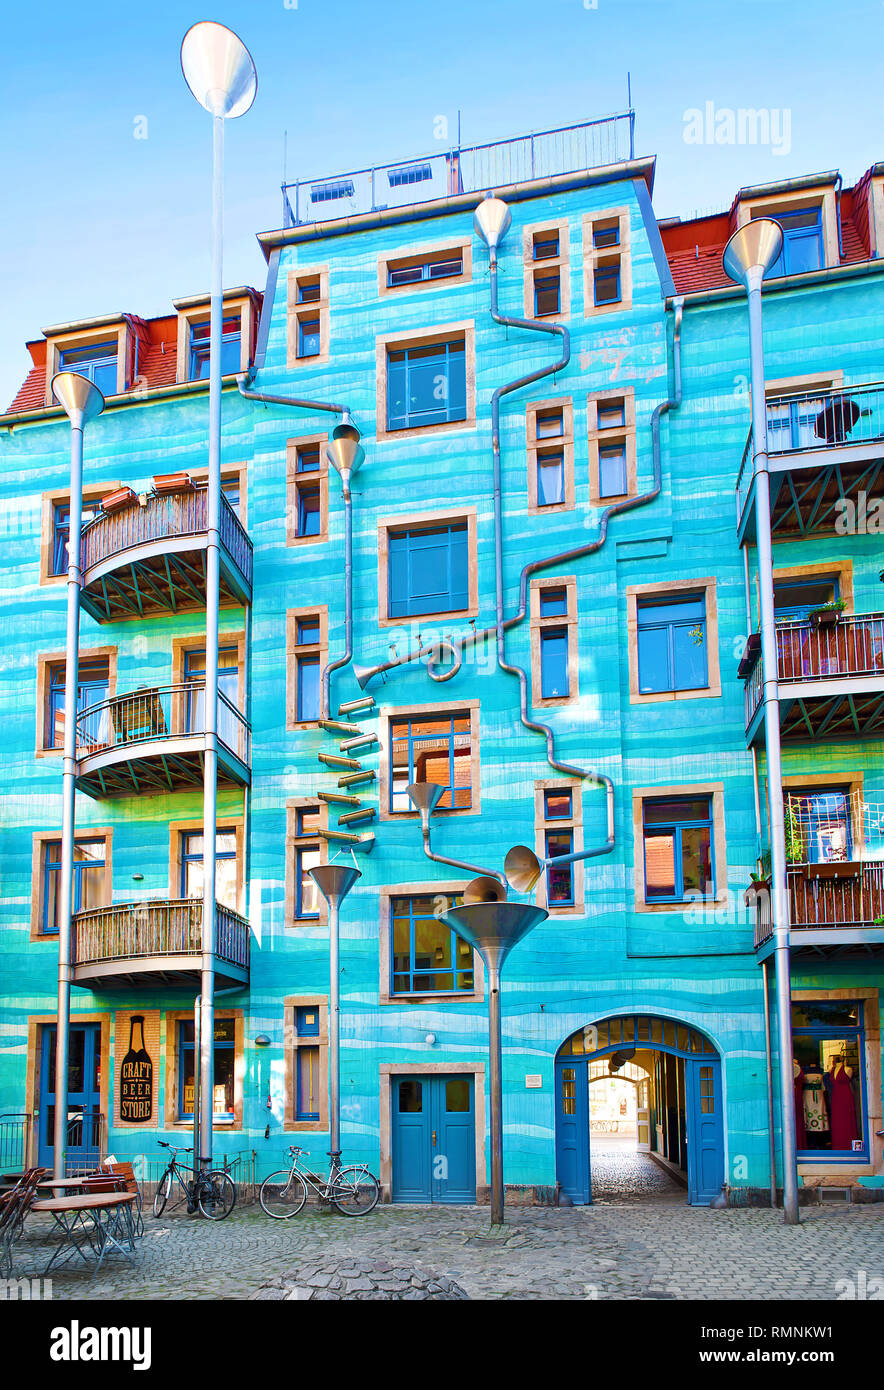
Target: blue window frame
228, 686
98, 362
307, 1100
560, 881
307, 1021
549, 424
550, 477
612, 470
606, 236
426, 956
308, 459
557, 804
828, 1048
546, 246
61, 530
306, 858
309, 291
191, 858
428, 571
230, 492
309, 511
795, 599
672, 644
426, 385
547, 294
820, 821
611, 414
678, 850
308, 631
308, 689
553, 603
89, 865
431, 269
606, 284
308, 337
802, 242
224, 1069
92, 690
554, 683
199, 348
431, 749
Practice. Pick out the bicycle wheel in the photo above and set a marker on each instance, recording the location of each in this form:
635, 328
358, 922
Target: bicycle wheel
283, 1194
216, 1195
356, 1191
161, 1196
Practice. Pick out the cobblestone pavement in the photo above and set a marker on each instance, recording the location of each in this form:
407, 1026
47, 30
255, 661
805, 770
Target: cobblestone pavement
620, 1173
652, 1247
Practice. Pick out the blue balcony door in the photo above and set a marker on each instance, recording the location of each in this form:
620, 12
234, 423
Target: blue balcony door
84, 1096
434, 1139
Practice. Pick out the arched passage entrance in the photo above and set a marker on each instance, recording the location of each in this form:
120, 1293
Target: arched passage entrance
683, 1119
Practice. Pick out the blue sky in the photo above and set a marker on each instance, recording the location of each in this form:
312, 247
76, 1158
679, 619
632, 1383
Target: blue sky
97, 220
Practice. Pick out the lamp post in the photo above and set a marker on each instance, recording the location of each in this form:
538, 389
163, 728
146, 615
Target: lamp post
749, 254
219, 71
493, 926
334, 882
82, 401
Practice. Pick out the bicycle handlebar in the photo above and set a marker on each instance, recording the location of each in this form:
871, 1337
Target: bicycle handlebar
176, 1148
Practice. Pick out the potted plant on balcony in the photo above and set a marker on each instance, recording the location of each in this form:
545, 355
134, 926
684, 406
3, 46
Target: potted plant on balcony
827, 614
116, 501
168, 483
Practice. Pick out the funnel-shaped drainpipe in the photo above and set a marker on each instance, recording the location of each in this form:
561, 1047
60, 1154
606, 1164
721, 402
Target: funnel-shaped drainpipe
522, 868
345, 455
424, 796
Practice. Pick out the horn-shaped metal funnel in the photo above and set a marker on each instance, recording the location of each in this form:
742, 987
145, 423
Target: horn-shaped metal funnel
424, 796
522, 868
344, 452
334, 881
484, 889
218, 69
363, 674
756, 246
491, 221
78, 396
494, 928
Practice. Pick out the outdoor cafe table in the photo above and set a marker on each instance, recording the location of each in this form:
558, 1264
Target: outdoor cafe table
90, 1220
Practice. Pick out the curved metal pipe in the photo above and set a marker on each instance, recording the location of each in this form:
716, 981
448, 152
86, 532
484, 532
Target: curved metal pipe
443, 859
435, 652
244, 378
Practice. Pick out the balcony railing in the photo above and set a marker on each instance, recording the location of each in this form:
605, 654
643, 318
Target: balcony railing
464, 169
163, 518
167, 927
851, 646
826, 896
814, 421
158, 714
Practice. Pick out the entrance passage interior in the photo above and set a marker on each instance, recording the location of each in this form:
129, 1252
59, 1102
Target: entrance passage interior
639, 1112
85, 1121
434, 1139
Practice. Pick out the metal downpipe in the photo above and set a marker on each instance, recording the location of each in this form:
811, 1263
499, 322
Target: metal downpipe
244, 378
347, 655
454, 863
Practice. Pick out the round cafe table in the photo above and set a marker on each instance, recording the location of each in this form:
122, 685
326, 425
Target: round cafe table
94, 1221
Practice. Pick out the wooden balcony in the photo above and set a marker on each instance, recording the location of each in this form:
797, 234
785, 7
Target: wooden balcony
152, 741
155, 943
150, 559
835, 909
824, 449
831, 681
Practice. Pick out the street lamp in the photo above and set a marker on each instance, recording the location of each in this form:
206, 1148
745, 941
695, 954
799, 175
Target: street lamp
493, 926
82, 401
219, 71
334, 882
749, 254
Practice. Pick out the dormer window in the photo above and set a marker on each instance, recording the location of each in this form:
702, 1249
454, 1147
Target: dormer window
199, 348
802, 242
97, 361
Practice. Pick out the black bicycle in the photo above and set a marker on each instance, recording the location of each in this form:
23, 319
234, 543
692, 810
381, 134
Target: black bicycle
213, 1192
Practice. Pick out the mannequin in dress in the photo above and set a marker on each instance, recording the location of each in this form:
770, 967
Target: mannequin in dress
800, 1129
816, 1111
842, 1102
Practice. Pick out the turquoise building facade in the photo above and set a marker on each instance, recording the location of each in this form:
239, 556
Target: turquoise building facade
652, 953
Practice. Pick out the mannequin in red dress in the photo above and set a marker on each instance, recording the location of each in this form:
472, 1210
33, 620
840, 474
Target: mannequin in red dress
842, 1106
800, 1128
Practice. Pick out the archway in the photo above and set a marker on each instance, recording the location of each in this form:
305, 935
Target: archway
679, 1114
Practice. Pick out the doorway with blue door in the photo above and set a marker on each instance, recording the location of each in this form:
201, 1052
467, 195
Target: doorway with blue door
433, 1138
679, 1121
84, 1116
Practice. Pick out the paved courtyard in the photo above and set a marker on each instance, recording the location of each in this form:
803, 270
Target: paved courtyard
632, 1244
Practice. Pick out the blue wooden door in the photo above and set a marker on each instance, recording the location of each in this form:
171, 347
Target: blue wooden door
572, 1131
434, 1139
705, 1127
84, 1096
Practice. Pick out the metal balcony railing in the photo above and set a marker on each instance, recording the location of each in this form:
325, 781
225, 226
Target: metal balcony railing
15, 1131
461, 169
159, 713
818, 901
163, 518
816, 421
158, 927
851, 646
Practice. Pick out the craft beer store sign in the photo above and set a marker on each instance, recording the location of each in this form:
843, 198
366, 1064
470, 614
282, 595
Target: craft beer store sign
137, 1056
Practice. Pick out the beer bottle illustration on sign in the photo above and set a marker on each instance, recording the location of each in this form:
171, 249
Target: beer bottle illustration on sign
136, 1077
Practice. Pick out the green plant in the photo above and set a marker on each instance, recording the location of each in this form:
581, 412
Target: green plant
835, 605
878, 921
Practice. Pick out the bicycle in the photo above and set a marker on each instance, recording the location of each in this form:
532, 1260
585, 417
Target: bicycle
213, 1192
354, 1190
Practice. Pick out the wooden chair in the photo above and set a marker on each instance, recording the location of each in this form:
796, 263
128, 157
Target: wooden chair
14, 1207
125, 1174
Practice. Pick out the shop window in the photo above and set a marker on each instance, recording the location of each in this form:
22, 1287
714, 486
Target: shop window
672, 644
424, 748
828, 1050
224, 1069
427, 956
428, 570
678, 849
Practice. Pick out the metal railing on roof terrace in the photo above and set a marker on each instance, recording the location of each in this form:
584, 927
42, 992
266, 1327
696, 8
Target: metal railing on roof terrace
461, 169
